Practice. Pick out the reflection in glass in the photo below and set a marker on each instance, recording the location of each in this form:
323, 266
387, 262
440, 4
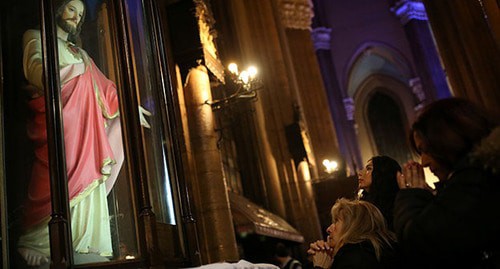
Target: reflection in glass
158, 161
158, 141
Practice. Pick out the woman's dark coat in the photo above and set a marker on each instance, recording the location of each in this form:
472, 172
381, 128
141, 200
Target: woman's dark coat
459, 227
362, 256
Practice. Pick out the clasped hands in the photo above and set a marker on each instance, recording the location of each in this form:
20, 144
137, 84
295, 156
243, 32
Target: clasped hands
412, 176
321, 253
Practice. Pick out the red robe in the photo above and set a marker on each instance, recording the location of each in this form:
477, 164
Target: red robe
88, 100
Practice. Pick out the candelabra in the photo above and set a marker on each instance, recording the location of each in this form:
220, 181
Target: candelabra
330, 166
243, 85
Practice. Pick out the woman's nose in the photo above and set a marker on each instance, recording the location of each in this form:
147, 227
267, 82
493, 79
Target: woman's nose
329, 230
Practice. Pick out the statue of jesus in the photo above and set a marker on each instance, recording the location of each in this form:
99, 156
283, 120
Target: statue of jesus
92, 137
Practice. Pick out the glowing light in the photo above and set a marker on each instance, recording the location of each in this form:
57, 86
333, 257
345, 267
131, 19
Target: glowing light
252, 71
233, 68
244, 85
330, 166
245, 77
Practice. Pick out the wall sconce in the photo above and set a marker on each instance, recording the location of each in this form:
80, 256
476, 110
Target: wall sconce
246, 84
330, 166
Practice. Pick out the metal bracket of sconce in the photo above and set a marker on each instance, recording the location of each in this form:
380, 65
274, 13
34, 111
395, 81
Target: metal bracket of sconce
246, 82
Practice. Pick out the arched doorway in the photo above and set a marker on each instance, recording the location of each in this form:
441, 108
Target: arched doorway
388, 127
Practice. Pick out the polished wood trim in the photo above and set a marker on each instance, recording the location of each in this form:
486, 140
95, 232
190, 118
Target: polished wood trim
133, 137
132, 264
170, 116
4, 246
61, 247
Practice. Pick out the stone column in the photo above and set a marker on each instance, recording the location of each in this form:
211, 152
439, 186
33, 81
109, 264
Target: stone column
312, 116
310, 92
259, 42
414, 20
341, 107
466, 41
308, 202
213, 211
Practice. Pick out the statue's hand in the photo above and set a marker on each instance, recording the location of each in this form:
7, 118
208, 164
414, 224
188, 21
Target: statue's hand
142, 113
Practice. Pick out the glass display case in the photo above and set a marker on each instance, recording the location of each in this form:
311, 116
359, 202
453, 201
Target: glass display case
89, 170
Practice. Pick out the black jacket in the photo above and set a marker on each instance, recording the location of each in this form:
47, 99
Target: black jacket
384, 203
362, 256
459, 227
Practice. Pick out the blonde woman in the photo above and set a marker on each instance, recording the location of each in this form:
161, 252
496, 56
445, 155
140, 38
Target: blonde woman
358, 238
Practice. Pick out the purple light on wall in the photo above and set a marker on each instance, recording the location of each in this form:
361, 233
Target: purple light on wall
409, 10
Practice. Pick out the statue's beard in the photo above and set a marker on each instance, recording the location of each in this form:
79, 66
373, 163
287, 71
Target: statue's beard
66, 27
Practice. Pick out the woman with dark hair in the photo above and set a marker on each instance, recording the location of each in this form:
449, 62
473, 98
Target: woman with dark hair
459, 226
378, 185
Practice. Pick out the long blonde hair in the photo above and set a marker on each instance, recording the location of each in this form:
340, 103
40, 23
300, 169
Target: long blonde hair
362, 221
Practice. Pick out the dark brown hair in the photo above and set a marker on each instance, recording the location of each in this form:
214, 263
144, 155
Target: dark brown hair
450, 128
384, 185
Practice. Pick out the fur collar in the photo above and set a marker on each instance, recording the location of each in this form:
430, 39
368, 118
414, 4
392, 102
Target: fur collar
487, 152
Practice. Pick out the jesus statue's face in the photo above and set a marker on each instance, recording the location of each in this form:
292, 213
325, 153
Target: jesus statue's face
71, 16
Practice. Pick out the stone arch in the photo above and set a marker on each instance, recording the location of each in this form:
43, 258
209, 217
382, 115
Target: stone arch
377, 69
387, 125
375, 58
391, 87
